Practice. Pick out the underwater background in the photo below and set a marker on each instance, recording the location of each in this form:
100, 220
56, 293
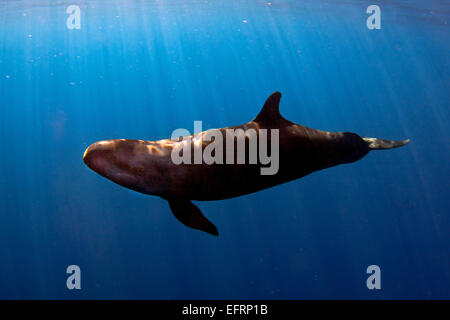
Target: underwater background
141, 69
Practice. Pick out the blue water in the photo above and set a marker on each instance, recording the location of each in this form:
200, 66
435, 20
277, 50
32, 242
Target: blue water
140, 69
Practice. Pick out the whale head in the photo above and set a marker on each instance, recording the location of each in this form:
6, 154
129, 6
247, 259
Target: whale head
116, 160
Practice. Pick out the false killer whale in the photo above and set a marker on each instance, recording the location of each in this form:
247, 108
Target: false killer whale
148, 166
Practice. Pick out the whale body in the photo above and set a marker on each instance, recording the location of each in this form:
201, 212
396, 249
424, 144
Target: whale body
148, 167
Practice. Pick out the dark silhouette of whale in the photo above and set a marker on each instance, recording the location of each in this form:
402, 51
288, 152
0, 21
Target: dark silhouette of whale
147, 166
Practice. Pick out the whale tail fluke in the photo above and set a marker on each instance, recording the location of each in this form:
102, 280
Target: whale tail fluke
380, 144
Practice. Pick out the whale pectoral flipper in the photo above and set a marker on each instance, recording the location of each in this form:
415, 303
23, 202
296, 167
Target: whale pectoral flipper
190, 215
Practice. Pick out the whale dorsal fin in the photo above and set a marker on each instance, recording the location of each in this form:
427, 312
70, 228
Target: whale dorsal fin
190, 215
270, 112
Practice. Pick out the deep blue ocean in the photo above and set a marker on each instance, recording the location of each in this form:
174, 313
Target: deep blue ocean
141, 69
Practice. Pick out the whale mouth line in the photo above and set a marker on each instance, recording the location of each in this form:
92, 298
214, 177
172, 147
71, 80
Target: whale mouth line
383, 144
